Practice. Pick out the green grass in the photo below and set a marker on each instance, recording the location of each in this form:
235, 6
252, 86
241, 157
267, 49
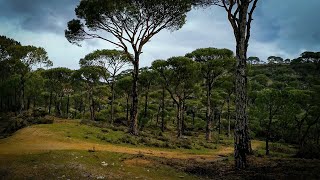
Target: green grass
148, 139
83, 165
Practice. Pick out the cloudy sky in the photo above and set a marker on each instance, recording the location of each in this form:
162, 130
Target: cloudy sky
281, 27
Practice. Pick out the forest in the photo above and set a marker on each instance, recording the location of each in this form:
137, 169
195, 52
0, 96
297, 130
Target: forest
200, 115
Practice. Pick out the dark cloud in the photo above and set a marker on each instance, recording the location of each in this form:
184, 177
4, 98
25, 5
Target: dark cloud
280, 27
39, 15
292, 24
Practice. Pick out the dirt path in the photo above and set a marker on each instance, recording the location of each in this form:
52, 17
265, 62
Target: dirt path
36, 140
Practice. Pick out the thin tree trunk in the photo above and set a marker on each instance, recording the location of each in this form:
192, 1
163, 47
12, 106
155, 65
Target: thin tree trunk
228, 114
183, 125
22, 96
68, 102
112, 100
50, 102
179, 106
193, 117
158, 114
134, 110
163, 109
268, 132
209, 122
34, 102
28, 103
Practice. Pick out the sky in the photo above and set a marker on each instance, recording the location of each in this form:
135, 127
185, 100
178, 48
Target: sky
283, 28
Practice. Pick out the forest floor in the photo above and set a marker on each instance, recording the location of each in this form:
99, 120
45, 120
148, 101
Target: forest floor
69, 150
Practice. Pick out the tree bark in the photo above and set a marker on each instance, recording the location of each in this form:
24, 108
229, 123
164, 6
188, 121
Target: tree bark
134, 109
208, 114
228, 114
21, 96
68, 102
50, 102
163, 109
112, 99
268, 131
241, 133
179, 127
158, 114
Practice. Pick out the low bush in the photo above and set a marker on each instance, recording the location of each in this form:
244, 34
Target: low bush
310, 151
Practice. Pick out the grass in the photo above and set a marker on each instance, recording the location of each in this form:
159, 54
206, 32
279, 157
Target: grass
147, 139
202, 161
84, 165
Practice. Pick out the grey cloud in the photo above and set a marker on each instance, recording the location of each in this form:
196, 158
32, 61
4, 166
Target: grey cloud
291, 24
39, 15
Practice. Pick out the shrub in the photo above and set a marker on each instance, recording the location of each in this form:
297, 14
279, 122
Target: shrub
310, 151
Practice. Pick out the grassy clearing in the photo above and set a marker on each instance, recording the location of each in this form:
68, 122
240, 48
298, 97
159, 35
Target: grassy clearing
195, 144
84, 165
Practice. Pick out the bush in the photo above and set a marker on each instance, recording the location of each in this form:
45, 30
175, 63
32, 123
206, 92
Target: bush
102, 116
24, 120
310, 151
184, 143
129, 140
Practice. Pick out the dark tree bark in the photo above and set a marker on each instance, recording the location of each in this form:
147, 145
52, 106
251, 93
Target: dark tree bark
163, 109
208, 114
268, 131
28, 103
92, 104
158, 114
179, 116
112, 98
50, 102
22, 86
68, 103
228, 116
134, 109
240, 20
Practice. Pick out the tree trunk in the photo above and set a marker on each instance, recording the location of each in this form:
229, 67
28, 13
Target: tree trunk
228, 114
193, 117
183, 125
179, 106
241, 136
50, 102
92, 108
158, 113
208, 114
28, 103
22, 96
134, 109
112, 100
34, 102
163, 109
268, 132
68, 102
219, 121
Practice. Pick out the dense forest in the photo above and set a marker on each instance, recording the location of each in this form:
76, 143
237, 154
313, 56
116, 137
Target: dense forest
195, 115
186, 94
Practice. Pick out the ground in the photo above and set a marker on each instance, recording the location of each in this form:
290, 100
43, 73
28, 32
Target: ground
70, 150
